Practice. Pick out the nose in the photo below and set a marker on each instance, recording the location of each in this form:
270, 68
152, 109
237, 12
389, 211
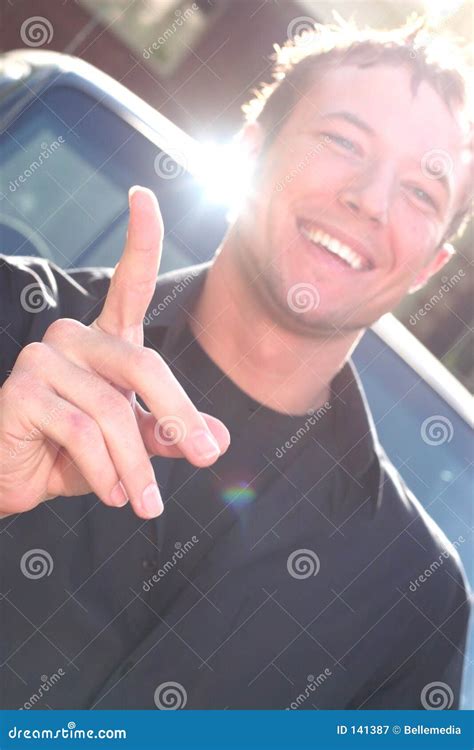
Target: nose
369, 194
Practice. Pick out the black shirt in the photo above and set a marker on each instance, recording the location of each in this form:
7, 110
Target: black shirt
280, 577
205, 503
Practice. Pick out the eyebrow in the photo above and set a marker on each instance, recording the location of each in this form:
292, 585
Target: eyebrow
355, 120
352, 118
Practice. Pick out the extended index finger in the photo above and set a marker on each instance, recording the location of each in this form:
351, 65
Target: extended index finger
134, 279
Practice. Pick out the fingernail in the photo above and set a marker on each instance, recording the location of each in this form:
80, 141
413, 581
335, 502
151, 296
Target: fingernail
118, 495
204, 444
131, 192
152, 503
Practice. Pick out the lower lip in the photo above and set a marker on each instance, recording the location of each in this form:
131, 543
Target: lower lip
325, 256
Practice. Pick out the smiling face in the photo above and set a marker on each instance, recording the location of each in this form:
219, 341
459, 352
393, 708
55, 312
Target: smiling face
347, 215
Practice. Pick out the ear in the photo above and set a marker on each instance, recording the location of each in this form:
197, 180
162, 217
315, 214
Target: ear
444, 254
250, 137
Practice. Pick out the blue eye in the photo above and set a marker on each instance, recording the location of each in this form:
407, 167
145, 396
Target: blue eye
424, 196
344, 142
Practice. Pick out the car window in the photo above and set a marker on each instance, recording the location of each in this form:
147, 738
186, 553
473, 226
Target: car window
67, 166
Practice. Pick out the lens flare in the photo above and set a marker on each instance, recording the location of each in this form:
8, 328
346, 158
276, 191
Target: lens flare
225, 173
240, 493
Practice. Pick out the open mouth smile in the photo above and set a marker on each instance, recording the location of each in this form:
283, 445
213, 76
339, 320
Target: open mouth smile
347, 255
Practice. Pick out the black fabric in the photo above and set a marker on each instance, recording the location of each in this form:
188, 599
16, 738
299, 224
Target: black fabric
281, 578
205, 503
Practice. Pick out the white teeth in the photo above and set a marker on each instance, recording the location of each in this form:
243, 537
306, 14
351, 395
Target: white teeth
335, 247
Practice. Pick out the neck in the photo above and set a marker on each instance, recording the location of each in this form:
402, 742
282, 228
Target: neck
286, 371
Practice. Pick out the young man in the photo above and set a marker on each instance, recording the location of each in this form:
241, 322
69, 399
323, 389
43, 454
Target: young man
275, 578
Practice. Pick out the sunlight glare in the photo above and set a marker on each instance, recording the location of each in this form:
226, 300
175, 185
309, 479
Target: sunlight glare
225, 173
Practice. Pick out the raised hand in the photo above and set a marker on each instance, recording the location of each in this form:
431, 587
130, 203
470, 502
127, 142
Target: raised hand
69, 420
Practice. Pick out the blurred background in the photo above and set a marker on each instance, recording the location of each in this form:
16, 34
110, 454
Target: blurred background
210, 55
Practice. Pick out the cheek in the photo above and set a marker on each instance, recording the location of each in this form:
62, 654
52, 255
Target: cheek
413, 238
309, 168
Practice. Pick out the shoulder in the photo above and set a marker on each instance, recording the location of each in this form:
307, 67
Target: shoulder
425, 563
35, 285
34, 292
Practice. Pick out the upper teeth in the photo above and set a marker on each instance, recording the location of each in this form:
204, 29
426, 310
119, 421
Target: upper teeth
334, 246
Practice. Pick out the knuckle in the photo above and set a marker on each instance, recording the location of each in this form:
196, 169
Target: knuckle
61, 330
33, 356
149, 361
18, 389
80, 427
11, 389
114, 406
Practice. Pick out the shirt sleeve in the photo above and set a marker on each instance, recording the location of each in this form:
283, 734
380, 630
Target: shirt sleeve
34, 292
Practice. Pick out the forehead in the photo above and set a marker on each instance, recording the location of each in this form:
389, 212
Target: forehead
383, 94
405, 124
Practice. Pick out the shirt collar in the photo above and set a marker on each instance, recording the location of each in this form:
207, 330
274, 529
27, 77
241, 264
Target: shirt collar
356, 437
